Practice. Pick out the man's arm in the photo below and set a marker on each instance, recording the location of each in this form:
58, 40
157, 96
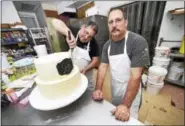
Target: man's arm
133, 86
94, 63
60, 26
97, 94
101, 75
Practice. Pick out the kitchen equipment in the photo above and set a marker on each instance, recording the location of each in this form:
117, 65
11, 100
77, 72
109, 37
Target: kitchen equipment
71, 49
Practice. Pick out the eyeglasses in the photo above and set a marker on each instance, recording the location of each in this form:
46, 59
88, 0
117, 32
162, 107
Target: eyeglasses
117, 21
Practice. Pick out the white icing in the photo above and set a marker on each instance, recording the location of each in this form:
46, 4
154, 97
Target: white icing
46, 66
50, 83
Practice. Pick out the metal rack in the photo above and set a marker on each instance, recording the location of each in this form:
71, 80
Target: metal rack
39, 36
172, 56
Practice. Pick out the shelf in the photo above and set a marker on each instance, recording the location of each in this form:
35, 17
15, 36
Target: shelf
14, 43
176, 55
176, 82
177, 11
39, 37
11, 29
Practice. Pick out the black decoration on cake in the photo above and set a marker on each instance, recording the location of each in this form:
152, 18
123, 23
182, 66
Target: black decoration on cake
65, 66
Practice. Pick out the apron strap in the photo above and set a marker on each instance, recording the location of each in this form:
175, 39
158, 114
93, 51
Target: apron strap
125, 46
88, 46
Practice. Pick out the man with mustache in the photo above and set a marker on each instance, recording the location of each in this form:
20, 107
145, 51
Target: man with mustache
85, 53
126, 53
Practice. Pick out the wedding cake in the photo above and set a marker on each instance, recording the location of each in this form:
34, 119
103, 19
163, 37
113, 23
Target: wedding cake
56, 75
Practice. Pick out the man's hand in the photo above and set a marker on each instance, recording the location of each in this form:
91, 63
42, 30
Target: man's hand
83, 71
97, 95
72, 41
121, 112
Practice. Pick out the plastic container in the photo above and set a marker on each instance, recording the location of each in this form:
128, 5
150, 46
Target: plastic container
181, 50
24, 67
40, 50
175, 73
154, 88
157, 74
163, 62
178, 63
162, 52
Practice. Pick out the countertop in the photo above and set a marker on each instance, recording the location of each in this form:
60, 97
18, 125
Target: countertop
84, 111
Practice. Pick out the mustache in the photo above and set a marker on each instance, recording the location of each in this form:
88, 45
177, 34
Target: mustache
115, 29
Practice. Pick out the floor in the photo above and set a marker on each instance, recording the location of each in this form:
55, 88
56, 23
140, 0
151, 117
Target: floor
176, 92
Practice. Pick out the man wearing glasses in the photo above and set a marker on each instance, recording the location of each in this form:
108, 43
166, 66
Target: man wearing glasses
85, 53
126, 53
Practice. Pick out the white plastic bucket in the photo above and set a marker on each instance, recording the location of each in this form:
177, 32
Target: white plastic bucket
41, 50
163, 62
175, 73
157, 74
154, 88
177, 64
162, 52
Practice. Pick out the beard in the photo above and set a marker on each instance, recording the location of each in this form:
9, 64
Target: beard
117, 34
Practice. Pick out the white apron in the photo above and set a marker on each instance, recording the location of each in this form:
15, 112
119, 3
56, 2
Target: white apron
81, 58
120, 73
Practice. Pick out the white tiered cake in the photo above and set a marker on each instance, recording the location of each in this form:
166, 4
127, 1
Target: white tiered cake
51, 83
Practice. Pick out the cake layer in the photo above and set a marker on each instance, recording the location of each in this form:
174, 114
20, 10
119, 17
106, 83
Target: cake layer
46, 66
59, 88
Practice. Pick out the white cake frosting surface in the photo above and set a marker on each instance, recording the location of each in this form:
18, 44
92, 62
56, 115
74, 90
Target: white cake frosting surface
51, 84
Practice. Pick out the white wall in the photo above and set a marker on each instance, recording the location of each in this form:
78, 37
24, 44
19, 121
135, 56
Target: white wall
9, 12
49, 6
62, 6
172, 29
103, 7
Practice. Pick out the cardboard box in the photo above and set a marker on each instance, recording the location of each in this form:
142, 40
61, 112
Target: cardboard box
157, 110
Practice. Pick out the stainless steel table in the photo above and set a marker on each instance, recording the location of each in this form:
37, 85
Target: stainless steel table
84, 111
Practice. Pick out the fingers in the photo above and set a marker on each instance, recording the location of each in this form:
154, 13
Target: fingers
120, 114
113, 111
97, 95
71, 42
94, 95
81, 70
101, 96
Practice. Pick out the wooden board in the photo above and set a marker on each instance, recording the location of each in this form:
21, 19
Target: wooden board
51, 13
81, 11
157, 110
